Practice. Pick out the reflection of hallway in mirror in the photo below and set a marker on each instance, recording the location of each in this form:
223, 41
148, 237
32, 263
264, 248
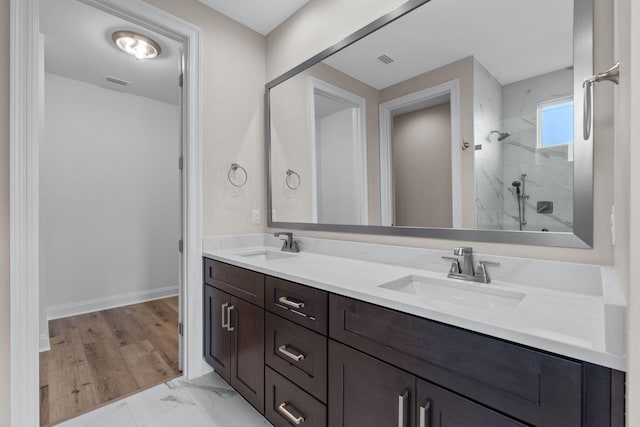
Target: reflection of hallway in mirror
421, 153
338, 162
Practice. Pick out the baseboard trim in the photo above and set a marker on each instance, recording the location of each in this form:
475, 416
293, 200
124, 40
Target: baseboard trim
82, 307
44, 343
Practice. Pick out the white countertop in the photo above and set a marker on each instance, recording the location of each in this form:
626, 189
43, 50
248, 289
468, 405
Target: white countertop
586, 325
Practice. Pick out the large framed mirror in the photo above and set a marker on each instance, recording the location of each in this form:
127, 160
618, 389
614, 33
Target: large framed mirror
453, 119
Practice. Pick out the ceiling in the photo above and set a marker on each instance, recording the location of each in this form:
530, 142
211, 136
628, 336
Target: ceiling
261, 16
78, 45
513, 39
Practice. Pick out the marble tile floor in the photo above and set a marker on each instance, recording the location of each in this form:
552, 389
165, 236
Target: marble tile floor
207, 401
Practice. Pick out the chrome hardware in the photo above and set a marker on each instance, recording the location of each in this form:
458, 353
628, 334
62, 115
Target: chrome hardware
224, 325
290, 353
296, 420
424, 415
455, 265
288, 245
481, 272
294, 304
466, 267
229, 327
611, 75
464, 270
403, 409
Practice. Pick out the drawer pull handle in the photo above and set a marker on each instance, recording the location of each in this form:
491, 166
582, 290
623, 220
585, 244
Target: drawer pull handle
425, 412
403, 403
290, 353
296, 421
290, 303
229, 327
224, 324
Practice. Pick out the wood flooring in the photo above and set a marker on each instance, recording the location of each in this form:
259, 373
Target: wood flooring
100, 357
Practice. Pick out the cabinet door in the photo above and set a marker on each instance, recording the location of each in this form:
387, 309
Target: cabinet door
217, 339
366, 392
437, 407
247, 351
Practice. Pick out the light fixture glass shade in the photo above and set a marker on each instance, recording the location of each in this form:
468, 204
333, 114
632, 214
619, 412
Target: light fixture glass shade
135, 44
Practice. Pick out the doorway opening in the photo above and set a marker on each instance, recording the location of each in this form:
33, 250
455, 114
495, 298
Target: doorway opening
338, 155
109, 211
407, 125
28, 132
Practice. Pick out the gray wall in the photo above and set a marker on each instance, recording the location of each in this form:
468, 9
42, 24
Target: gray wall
421, 152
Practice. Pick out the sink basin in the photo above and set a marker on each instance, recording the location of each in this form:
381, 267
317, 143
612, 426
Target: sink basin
266, 255
449, 292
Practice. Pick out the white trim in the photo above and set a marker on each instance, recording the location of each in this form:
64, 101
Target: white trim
25, 101
44, 343
452, 88
541, 105
89, 306
359, 145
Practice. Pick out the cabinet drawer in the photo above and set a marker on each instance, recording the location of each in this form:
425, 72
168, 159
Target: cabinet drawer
245, 284
450, 410
301, 304
285, 403
538, 388
297, 353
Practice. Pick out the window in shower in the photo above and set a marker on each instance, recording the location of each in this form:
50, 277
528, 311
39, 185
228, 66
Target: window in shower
555, 122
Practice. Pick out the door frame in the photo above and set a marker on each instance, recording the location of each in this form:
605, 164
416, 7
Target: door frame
359, 145
420, 99
26, 98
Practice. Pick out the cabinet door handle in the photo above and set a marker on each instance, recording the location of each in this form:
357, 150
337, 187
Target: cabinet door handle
403, 409
291, 353
425, 414
290, 303
296, 421
224, 324
229, 327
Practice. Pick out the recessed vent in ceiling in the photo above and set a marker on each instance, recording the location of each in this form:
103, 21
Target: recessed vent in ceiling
117, 81
385, 58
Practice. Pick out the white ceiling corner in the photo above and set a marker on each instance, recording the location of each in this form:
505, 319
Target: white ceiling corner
261, 16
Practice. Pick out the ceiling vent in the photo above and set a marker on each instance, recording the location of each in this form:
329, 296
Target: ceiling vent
117, 81
385, 58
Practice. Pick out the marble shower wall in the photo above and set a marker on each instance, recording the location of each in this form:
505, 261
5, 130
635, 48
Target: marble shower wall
549, 171
488, 158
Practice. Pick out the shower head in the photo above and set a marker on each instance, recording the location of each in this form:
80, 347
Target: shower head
501, 135
516, 184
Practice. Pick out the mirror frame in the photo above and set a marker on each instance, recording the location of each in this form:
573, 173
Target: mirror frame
582, 236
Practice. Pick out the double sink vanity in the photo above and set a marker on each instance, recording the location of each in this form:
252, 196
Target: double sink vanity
335, 336
346, 334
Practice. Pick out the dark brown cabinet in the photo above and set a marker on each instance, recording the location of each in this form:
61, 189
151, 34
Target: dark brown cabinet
380, 367
234, 330
365, 392
436, 406
217, 339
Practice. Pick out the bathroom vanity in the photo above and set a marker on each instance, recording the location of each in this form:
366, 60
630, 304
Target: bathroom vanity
311, 339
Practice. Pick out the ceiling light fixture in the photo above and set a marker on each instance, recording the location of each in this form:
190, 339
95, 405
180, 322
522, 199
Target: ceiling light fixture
135, 44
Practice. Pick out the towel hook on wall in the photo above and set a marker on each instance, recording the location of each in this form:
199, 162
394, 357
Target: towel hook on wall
233, 172
611, 75
287, 180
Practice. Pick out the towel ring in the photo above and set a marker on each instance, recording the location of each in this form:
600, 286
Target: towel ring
234, 170
291, 172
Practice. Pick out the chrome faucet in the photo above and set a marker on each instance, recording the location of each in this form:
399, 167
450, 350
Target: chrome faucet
463, 268
288, 245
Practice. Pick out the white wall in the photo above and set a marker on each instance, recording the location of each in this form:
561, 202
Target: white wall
4, 214
109, 197
233, 78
